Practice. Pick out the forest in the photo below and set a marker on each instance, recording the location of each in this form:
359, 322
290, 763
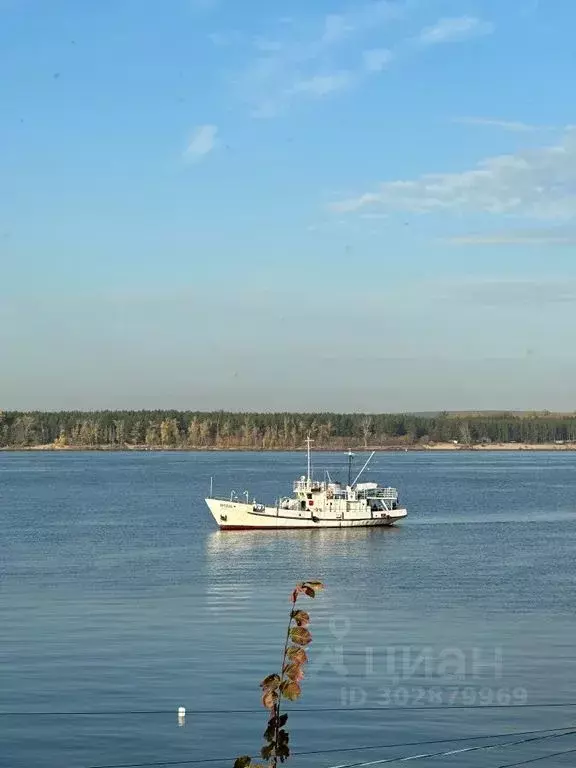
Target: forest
223, 430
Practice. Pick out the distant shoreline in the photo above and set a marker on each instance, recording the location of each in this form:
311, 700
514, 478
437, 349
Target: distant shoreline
283, 432
435, 447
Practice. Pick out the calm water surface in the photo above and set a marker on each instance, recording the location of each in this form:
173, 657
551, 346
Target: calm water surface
117, 593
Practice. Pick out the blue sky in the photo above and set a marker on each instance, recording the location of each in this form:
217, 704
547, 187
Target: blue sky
331, 205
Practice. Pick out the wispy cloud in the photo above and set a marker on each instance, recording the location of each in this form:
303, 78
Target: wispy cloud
226, 39
321, 85
455, 29
268, 46
521, 237
336, 28
332, 53
339, 26
539, 183
201, 143
302, 63
377, 59
505, 125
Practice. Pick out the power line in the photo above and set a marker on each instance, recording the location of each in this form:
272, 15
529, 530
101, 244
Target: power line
451, 752
444, 741
535, 759
311, 710
440, 741
551, 733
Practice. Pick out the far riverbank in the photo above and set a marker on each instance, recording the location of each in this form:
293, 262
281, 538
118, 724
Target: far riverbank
420, 448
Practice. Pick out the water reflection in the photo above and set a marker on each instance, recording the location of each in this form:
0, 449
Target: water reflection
221, 545
234, 561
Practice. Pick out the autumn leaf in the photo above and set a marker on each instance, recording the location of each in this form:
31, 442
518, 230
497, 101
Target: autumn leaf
270, 683
270, 731
290, 690
282, 748
267, 751
294, 672
299, 590
300, 635
301, 618
297, 655
269, 699
273, 724
283, 738
311, 587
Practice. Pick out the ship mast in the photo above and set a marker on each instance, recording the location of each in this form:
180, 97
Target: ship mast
309, 441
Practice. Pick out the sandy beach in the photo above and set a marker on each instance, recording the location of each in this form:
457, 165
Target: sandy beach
486, 447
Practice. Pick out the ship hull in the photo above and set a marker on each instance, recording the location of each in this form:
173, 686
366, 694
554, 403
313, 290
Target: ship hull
237, 516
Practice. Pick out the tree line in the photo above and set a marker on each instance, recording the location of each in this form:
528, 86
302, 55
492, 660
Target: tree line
269, 431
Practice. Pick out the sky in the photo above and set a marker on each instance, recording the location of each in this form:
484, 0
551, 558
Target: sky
328, 205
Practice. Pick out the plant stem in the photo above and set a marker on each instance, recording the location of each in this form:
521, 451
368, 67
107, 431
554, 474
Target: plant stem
274, 763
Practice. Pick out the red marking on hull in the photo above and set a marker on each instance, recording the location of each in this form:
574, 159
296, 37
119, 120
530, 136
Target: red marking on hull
296, 527
266, 527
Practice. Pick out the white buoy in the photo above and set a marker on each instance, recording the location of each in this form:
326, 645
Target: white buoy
181, 716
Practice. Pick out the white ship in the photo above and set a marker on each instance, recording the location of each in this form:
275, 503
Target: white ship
314, 504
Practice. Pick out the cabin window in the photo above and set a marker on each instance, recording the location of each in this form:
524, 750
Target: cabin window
309, 495
302, 505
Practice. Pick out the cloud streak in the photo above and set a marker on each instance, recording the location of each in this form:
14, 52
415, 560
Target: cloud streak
505, 125
377, 59
302, 65
539, 183
454, 30
322, 85
201, 143
331, 54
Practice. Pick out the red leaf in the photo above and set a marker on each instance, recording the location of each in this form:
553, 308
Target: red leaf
269, 699
290, 690
317, 585
270, 683
294, 672
297, 655
301, 618
300, 636
297, 591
